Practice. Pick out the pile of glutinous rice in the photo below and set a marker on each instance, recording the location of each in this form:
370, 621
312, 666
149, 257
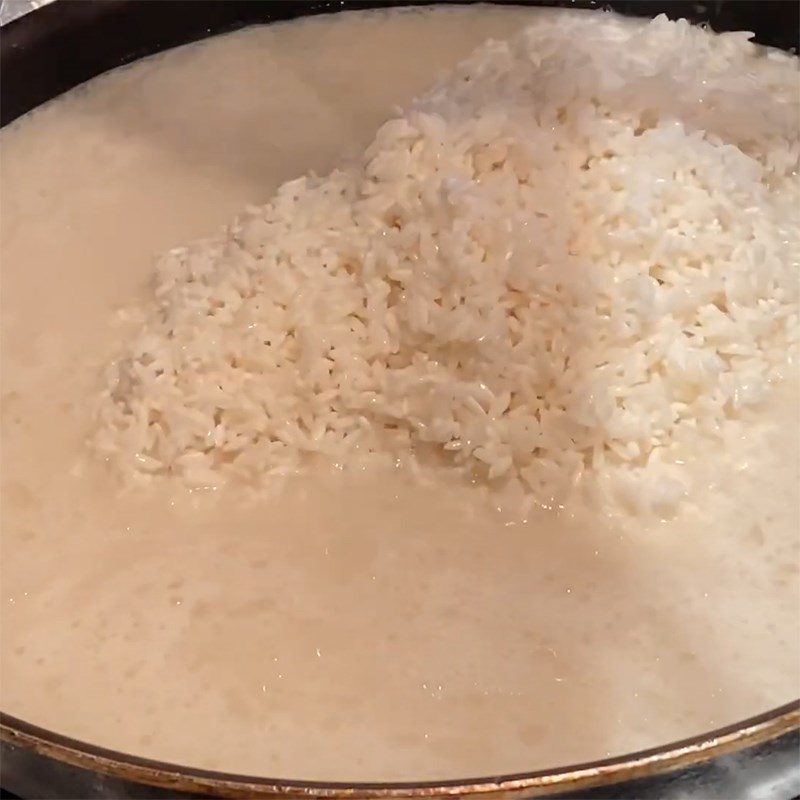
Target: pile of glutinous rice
573, 259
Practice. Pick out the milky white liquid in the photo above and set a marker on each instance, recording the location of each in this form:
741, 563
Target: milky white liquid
357, 626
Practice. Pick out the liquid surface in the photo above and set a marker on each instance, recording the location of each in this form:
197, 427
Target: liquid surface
358, 626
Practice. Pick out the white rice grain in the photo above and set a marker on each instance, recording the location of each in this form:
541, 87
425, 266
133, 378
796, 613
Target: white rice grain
575, 256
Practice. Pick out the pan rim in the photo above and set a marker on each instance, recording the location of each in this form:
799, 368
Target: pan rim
770, 725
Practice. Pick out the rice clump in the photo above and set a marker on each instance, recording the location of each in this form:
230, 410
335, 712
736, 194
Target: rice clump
571, 261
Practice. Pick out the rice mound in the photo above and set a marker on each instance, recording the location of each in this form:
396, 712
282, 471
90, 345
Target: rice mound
572, 260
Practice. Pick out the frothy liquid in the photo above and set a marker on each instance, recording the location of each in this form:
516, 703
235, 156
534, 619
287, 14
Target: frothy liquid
357, 626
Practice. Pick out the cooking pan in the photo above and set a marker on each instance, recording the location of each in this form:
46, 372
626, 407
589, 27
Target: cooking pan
60, 45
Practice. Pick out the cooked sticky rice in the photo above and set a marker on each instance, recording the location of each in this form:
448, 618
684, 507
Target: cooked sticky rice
574, 259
